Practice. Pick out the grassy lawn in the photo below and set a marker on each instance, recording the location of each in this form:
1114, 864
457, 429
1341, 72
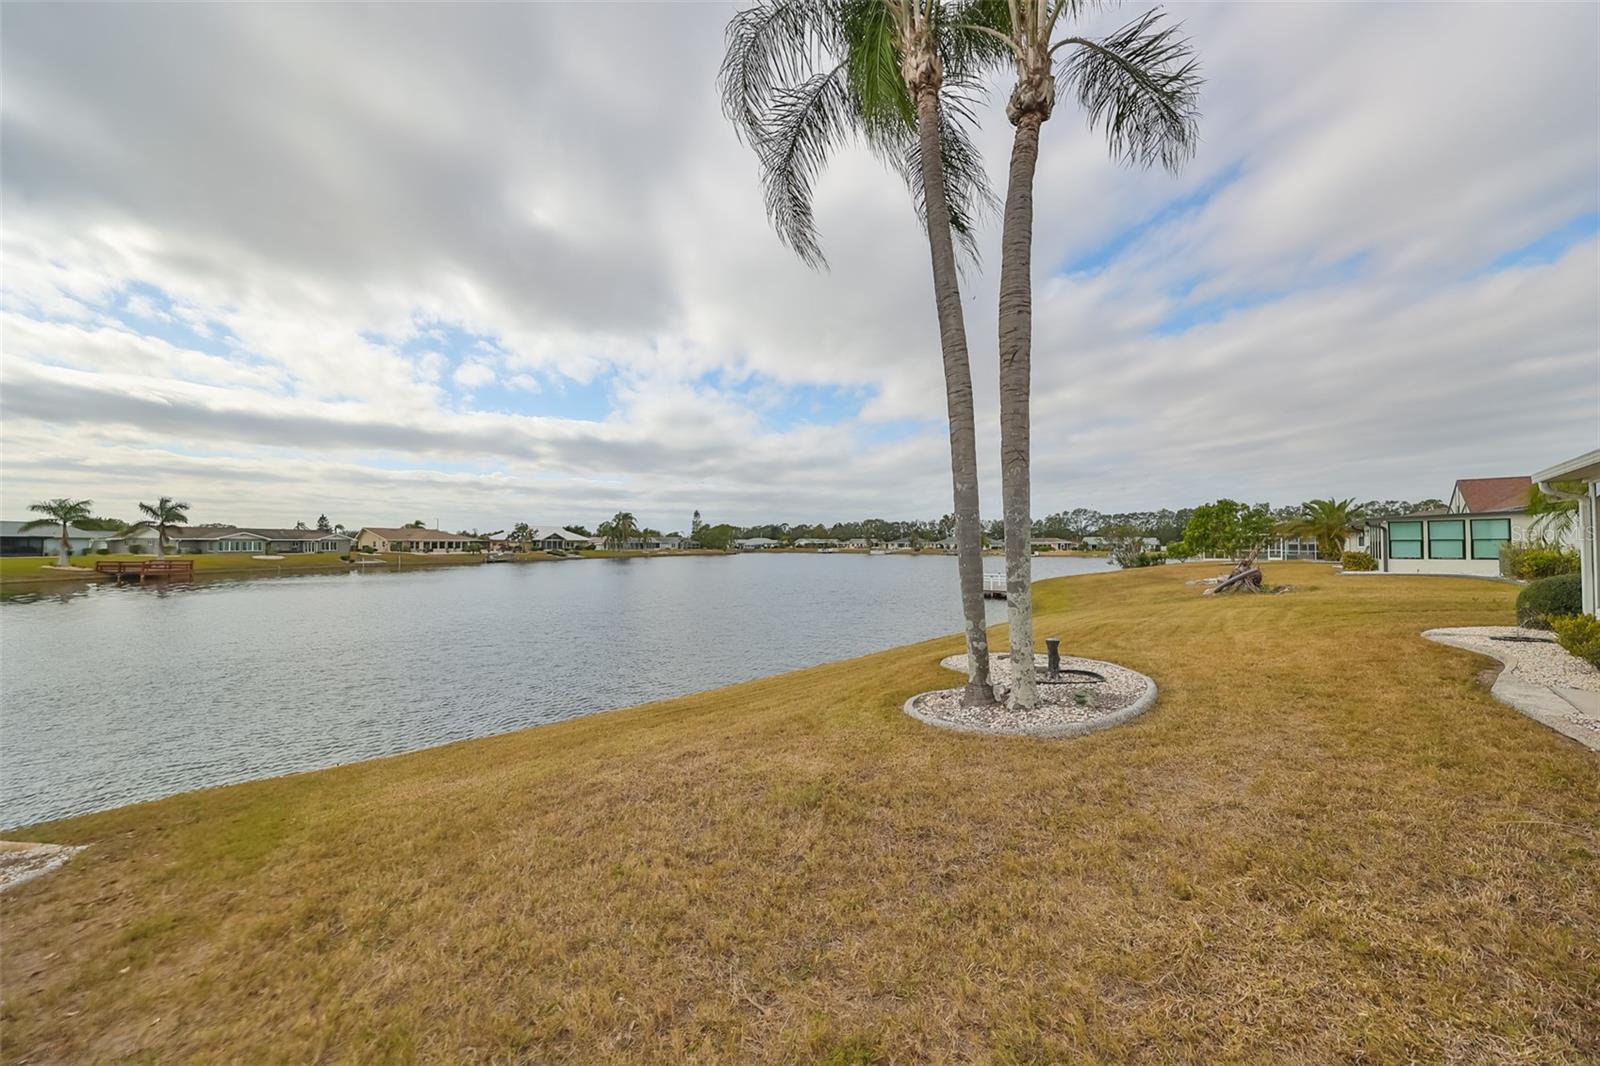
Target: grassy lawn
1325, 843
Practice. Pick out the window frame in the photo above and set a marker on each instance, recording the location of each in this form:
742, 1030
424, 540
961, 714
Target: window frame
1473, 538
1391, 540
1460, 542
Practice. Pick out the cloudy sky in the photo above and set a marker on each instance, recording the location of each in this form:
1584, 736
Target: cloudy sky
489, 263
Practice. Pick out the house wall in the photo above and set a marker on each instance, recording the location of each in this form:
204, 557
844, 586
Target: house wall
368, 539
1521, 530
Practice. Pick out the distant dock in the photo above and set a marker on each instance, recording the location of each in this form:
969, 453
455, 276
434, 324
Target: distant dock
994, 586
143, 569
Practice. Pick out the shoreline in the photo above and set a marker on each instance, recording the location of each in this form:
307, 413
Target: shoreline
42, 569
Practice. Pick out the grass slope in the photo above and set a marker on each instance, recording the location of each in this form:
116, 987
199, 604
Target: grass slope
1324, 843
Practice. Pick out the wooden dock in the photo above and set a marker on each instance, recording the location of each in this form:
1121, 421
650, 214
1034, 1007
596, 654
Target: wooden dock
994, 586
127, 570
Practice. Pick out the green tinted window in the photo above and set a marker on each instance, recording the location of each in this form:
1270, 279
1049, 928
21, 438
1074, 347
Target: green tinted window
1447, 539
1487, 536
1405, 540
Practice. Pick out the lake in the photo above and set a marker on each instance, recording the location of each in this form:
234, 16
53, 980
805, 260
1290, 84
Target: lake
110, 696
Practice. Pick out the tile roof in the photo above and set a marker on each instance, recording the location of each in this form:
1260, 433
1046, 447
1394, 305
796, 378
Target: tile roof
1494, 493
404, 534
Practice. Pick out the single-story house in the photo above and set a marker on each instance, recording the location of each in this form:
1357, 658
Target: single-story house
1049, 544
858, 542
404, 539
556, 538
747, 544
46, 540
1293, 548
1483, 514
816, 542
1584, 469
1096, 543
254, 540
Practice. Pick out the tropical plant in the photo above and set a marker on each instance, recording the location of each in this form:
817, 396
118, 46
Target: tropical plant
1532, 561
62, 511
1141, 84
619, 530
1555, 513
1328, 522
801, 77
161, 516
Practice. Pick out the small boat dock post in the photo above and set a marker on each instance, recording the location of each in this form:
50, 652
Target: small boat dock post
181, 569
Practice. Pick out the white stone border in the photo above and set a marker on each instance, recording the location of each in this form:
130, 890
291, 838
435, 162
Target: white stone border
1065, 730
1539, 702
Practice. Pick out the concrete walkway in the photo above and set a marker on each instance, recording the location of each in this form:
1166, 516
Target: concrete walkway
1540, 678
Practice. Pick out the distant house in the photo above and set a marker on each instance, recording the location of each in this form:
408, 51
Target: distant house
383, 539
46, 540
858, 542
1483, 515
748, 544
556, 538
254, 540
1049, 544
816, 542
1585, 470
1095, 543
1292, 548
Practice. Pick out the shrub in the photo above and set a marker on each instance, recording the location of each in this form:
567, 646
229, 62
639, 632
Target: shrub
102, 551
1547, 598
1358, 561
1532, 561
1579, 634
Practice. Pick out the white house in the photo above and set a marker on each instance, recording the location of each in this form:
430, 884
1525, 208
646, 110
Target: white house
556, 538
411, 539
816, 542
756, 543
1483, 515
1584, 469
46, 539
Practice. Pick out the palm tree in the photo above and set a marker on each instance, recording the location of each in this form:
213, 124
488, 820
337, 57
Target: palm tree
1328, 522
799, 78
621, 529
64, 511
161, 516
1142, 84
1554, 516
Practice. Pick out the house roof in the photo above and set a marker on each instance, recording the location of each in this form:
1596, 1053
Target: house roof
1495, 493
554, 533
1585, 467
1419, 515
52, 528
405, 534
264, 532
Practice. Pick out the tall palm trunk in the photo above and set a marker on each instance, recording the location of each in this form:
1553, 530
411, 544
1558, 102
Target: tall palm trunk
958, 393
63, 550
1016, 367
161, 538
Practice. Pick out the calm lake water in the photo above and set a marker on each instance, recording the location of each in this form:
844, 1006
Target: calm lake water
110, 696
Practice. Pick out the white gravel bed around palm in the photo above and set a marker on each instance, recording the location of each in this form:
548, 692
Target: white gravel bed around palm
1064, 710
1535, 657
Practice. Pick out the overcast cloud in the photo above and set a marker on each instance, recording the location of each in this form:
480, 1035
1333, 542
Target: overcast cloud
487, 263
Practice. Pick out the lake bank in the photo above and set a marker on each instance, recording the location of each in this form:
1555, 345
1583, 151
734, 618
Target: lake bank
226, 679
1325, 842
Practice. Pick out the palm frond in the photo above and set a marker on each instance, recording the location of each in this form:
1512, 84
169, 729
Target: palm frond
798, 131
770, 46
1142, 83
967, 191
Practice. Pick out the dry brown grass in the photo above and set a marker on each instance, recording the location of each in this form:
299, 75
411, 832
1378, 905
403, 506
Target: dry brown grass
1324, 844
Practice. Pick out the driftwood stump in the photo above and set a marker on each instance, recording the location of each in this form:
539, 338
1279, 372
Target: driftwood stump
1245, 577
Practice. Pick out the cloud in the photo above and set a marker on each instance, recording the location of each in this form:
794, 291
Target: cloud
505, 262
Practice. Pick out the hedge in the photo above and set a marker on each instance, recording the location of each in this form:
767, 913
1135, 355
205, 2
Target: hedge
1547, 598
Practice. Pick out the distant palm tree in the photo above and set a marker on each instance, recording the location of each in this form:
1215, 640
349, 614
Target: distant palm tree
162, 516
65, 512
621, 529
799, 79
1141, 84
1328, 522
